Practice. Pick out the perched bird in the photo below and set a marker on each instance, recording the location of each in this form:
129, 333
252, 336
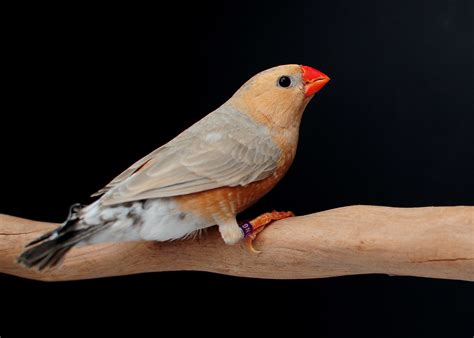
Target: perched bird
203, 177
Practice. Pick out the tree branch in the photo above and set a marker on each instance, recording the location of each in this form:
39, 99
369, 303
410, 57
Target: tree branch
433, 242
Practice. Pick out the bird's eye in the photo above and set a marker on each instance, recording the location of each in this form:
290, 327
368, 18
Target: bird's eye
284, 81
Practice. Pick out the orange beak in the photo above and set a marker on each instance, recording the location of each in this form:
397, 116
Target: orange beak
314, 80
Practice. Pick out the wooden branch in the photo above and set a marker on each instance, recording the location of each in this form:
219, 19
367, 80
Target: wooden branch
427, 242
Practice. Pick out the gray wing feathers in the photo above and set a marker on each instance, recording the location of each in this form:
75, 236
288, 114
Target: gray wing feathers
226, 148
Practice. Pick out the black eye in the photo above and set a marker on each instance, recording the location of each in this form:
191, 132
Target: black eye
284, 81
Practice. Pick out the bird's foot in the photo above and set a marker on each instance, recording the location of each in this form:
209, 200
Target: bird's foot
254, 227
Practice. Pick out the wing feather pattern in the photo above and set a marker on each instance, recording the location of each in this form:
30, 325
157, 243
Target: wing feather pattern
226, 148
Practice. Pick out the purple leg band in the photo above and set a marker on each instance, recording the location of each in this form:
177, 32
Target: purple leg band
247, 228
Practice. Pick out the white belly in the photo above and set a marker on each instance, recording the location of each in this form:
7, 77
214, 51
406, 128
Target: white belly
157, 219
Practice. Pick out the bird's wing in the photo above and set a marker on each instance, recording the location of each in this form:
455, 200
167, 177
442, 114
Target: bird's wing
127, 173
223, 149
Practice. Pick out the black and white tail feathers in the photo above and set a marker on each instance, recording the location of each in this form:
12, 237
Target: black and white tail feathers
49, 249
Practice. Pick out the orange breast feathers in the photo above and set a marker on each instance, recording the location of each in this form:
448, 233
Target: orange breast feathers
226, 202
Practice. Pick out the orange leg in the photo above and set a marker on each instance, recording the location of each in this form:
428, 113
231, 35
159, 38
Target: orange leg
259, 223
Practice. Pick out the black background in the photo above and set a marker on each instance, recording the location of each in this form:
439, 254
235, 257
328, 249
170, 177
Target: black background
87, 93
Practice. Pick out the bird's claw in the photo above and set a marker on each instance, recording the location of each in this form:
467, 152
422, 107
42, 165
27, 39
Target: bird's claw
250, 238
259, 223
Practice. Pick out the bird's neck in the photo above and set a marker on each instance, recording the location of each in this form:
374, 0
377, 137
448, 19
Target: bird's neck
273, 116
283, 125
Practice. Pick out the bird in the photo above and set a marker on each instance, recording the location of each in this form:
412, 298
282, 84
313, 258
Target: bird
203, 177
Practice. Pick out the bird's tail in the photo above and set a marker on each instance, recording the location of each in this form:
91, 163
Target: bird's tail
49, 249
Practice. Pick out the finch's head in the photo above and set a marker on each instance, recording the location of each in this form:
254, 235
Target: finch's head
280, 94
